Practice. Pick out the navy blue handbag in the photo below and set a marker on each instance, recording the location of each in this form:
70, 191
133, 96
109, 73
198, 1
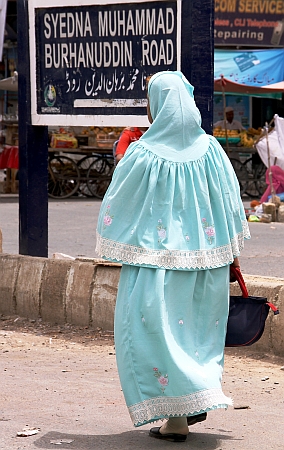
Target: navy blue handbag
247, 315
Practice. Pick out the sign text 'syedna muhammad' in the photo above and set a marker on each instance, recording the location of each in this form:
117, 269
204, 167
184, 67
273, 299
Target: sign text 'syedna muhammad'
113, 53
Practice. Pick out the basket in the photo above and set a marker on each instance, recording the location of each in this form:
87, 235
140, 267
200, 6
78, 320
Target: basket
104, 141
82, 139
231, 140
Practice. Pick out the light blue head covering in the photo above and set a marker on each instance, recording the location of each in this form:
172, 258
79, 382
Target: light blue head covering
174, 199
176, 131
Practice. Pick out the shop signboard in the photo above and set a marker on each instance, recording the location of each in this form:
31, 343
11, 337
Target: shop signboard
251, 23
90, 61
251, 67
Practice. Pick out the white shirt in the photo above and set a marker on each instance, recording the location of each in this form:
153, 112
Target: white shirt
234, 125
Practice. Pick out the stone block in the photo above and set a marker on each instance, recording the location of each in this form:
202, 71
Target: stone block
9, 267
104, 296
281, 213
1, 242
28, 287
79, 293
269, 208
53, 291
277, 328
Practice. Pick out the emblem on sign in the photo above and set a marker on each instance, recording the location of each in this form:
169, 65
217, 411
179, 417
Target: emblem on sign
50, 95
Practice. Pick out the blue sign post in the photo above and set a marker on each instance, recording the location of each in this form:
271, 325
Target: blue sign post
33, 154
197, 50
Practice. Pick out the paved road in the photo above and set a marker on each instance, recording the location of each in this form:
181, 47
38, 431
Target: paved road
65, 382
72, 225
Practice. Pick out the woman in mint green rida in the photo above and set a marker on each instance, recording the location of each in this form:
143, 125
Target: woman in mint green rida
174, 218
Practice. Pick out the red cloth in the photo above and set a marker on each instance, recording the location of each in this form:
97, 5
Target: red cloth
128, 136
277, 181
9, 158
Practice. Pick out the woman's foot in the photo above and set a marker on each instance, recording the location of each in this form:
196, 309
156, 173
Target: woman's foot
175, 430
175, 425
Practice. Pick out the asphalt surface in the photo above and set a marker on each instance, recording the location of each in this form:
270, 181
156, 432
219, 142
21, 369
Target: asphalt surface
72, 225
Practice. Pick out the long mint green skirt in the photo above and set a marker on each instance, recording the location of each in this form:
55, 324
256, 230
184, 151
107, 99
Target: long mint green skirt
170, 329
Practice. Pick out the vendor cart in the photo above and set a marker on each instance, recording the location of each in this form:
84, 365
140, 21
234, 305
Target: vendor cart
247, 164
249, 169
82, 171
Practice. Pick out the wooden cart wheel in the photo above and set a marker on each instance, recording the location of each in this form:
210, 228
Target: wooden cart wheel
99, 176
83, 166
242, 174
63, 177
256, 184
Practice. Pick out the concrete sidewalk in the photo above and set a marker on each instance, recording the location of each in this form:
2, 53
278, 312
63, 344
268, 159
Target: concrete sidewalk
64, 381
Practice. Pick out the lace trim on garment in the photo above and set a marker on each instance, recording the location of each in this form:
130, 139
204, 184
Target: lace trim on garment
173, 259
163, 407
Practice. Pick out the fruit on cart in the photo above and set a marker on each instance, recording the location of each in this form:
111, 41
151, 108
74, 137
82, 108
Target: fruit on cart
93, 131
221, 132
254, 131
246, 140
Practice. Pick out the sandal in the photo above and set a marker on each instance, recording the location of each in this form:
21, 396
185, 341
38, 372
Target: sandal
173, 437
192, 420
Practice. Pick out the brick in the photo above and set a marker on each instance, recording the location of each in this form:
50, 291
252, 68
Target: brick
9, 266
104, 296
53, 291
277, 328
79, 293
28, 287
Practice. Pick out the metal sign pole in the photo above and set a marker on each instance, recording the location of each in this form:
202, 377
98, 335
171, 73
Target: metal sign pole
33, 154
198, 54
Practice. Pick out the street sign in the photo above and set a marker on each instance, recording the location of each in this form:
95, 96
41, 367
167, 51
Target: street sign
89, 62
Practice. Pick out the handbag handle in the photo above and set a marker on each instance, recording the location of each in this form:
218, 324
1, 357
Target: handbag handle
236, 271
238, 275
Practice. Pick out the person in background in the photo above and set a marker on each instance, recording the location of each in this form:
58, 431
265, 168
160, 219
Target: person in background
174, 218
129, 135
277, 175
231, 123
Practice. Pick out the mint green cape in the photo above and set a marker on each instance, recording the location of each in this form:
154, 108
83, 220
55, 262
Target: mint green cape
174, 200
